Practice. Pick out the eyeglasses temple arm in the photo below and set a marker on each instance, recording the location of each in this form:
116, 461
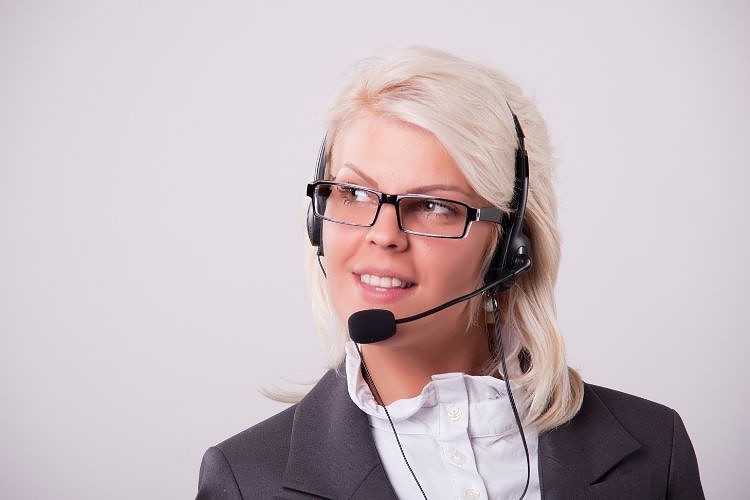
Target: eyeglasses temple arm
490, 214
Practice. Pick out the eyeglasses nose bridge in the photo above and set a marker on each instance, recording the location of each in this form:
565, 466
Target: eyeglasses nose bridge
388, 199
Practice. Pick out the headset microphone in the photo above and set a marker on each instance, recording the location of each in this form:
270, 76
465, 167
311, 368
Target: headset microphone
375, 325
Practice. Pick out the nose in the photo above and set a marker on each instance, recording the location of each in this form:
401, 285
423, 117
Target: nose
385, 232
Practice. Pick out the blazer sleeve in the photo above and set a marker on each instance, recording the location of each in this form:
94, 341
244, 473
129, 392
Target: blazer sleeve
684, 478
216, 480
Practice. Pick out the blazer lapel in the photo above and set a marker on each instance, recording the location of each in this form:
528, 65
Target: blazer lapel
575, 457
332, 453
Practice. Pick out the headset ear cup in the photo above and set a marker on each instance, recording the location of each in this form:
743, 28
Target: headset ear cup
493, 271
315, 223
315, 229
513, 243
499, 260
521, 246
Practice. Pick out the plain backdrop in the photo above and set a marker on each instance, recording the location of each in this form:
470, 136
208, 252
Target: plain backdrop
153, 158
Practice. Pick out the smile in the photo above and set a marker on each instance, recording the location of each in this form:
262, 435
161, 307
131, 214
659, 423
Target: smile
384, 281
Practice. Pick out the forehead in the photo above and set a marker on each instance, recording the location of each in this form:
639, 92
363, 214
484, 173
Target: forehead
397, 157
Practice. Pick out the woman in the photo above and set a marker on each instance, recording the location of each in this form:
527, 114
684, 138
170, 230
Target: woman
474, 400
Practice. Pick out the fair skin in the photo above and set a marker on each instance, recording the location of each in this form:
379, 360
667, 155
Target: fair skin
394, 157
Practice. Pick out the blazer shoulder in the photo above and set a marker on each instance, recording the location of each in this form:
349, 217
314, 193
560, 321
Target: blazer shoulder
271, 433
628, 408
651, 424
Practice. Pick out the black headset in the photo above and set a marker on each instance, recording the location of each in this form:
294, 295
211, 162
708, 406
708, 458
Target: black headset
514, 242
315, 223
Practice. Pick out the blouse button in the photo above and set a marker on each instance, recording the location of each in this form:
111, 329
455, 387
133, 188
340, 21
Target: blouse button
471, 494
454, 414
458, 458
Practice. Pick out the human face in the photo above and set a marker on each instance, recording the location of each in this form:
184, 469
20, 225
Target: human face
381, 267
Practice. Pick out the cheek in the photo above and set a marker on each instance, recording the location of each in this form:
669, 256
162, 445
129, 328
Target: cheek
340, 244
460, 264
466, 269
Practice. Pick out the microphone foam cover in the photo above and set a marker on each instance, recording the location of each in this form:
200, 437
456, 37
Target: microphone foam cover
371, 325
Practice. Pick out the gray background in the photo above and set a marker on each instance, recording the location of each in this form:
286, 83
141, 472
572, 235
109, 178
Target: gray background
153, 157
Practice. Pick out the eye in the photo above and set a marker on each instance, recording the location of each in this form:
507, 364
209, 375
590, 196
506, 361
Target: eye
352, 194
440, 208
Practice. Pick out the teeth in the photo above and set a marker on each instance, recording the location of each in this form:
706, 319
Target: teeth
383, 281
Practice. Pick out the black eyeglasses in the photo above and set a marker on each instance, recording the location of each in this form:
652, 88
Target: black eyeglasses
419, 214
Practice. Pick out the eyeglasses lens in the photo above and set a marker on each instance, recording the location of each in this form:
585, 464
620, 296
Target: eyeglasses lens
432, 216
346, 204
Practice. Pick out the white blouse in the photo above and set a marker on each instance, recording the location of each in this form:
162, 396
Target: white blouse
459, 436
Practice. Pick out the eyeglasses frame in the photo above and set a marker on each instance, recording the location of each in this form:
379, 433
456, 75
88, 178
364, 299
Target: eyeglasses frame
473, 214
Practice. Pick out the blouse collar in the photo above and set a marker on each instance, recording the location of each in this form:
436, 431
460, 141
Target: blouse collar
441, 389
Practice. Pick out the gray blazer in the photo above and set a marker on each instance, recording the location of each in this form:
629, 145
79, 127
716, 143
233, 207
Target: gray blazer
618, 446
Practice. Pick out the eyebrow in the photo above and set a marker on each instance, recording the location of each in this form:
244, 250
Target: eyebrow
357, 171
417, 190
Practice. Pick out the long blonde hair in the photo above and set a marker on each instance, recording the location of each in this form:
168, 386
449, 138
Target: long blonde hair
467, 106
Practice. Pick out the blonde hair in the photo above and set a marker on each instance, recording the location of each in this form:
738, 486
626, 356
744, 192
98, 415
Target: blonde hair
467, 106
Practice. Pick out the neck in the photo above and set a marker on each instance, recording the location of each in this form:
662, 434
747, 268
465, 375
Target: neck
402, 371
